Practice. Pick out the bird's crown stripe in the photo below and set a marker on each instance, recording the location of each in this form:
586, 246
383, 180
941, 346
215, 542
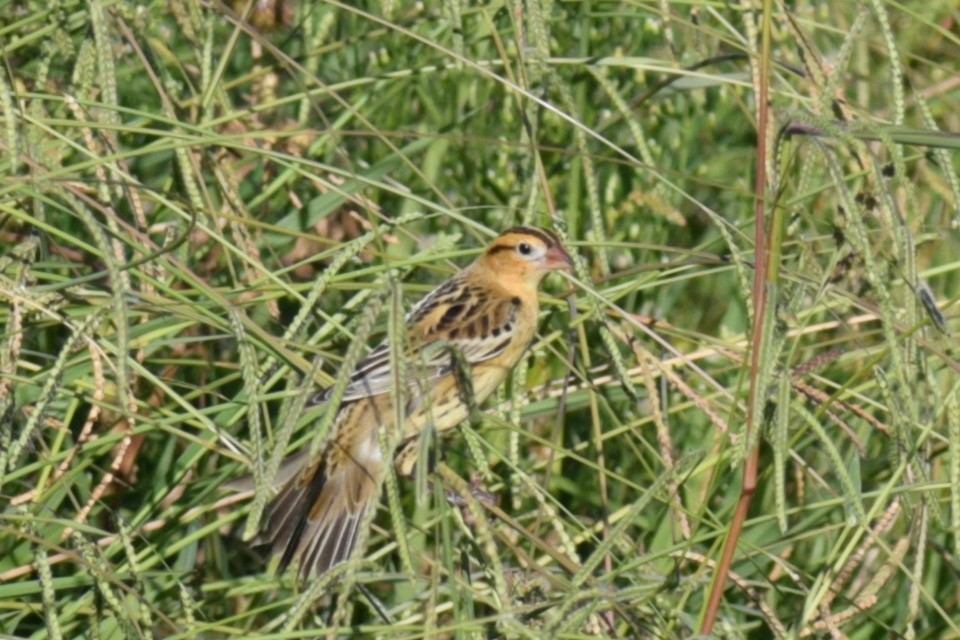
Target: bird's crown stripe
546, 236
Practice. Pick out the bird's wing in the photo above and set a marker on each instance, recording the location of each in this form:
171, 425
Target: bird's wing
455, 318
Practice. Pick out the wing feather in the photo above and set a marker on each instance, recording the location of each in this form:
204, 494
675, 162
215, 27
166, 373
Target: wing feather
453, 317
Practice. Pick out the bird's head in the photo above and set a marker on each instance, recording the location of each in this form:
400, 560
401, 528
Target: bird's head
525, 254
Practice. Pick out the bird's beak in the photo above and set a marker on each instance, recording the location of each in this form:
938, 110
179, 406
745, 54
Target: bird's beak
559, 259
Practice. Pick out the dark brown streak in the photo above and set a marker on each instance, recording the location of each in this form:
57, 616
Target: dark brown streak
315, 486
450, 315
547, 237
472, 310
497, 348
500, 247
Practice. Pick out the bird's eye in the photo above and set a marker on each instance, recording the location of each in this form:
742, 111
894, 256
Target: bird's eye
524, 249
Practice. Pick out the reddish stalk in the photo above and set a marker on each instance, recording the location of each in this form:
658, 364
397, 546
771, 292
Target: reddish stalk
760, 280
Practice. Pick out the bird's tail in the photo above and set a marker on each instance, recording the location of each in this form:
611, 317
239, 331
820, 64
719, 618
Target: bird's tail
316, 517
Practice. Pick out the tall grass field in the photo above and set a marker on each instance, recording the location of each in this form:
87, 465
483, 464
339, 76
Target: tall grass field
740, 417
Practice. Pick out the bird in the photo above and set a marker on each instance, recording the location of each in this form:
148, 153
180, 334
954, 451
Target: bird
482, 321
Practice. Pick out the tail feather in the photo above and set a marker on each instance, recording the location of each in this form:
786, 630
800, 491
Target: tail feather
284, 509
315, 519
331, 545
293, 513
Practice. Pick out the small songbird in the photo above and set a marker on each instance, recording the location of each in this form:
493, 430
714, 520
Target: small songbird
482, 320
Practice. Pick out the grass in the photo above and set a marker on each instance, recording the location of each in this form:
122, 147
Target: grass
203, 221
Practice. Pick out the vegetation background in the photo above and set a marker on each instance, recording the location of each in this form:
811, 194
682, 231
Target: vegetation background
208, 211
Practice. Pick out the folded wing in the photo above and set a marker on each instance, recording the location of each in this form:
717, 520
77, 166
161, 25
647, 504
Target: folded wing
454, 318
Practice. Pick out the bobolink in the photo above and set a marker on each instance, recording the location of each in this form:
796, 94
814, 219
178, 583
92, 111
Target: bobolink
487, 314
